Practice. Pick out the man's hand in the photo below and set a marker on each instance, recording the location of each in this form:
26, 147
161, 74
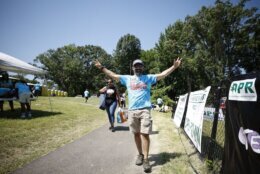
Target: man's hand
106, 71
97, 64
177, 62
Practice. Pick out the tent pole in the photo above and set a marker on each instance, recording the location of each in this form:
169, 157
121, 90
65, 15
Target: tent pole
45, 82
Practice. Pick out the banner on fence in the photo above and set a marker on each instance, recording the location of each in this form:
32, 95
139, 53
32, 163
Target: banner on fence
194, 116
243, 90
178, 115
209, 114
242, 139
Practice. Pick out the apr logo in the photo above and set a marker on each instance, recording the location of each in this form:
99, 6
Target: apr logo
250, 137
243, 90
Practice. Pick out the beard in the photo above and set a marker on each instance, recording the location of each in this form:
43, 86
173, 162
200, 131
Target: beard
138, 71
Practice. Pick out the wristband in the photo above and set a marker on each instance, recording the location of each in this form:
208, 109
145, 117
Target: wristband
102, 67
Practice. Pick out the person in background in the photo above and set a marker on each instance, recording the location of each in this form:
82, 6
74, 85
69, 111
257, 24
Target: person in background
24, 95
139, 94
86, 95
159, 102
111, 99
6, 90
122, 100
37, 89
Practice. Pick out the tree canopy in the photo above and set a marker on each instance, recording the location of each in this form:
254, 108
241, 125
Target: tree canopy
218, 36
128, 49
71, 67
214, 40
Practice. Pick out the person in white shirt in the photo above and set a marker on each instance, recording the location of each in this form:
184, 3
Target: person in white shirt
86, 95
159, 102
122, 100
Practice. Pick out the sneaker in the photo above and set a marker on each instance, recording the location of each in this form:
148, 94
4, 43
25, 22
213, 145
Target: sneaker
29, 115
139, 160
147, 166
113, 129
23, 115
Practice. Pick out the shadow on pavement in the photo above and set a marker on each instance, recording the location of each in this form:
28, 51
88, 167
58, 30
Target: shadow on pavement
162, 158
121, 128
154, 132
126, 128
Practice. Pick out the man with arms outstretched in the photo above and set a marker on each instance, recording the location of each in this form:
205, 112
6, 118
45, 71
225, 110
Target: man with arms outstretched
139, 115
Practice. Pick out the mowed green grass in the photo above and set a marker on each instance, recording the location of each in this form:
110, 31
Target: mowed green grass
177, 153
56, 121
59, 120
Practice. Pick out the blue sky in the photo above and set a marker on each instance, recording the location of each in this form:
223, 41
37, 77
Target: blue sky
31, 27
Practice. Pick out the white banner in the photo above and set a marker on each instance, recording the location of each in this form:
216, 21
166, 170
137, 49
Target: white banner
209, 114
178, 115
243, 90
194, 116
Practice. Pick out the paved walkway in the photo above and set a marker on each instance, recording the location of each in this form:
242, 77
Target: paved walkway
98, 152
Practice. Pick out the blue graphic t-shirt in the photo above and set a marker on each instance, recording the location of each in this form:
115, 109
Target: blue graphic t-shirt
139, 90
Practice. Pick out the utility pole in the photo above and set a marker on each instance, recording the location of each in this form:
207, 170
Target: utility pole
130, 68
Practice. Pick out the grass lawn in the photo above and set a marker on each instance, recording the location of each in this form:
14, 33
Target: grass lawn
69, 118
176, 150
52, 126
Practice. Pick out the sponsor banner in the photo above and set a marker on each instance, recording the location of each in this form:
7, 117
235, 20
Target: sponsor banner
249, 138
242, 126
209, 114
243, 90
194, 116
178, 115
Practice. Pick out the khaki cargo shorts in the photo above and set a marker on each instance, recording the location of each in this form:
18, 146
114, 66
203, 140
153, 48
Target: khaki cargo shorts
140, 121
24, 97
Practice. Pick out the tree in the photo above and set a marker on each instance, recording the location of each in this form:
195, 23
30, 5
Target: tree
228, 33
71, 67
208, 41
127, 50
175, 42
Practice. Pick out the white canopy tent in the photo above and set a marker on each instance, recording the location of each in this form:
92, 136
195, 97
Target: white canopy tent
9, 63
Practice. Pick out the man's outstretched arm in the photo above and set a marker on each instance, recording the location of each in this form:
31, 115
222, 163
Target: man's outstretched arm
107, 71
168, 71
